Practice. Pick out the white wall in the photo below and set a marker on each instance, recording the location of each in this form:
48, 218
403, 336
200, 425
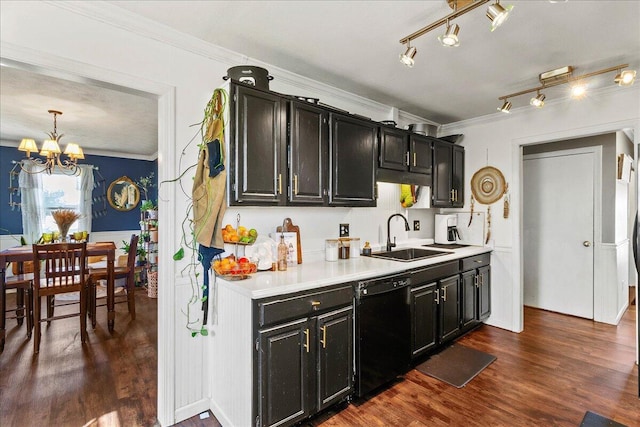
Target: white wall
92, 40
496, 140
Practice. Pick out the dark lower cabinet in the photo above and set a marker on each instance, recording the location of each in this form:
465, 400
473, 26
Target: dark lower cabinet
484, 292
476, 290
449, 308
334, 341
304, 367
284, 368
424, 318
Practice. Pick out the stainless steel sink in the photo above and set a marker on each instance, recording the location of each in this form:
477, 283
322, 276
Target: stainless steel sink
408, 254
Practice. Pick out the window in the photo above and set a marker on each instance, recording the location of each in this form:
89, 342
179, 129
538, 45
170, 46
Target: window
60, 191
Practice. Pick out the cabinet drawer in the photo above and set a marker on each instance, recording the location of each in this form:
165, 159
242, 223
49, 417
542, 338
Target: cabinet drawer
475, 261
434, 272
284, 308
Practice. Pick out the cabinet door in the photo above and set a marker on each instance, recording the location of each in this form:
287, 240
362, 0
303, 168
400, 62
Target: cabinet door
449, 308
258, 148
424, 320
393, 149
353, 161
469, 299
484, 292
442, 166
334, 342
283, 373
420, 160
309, 145
457, 176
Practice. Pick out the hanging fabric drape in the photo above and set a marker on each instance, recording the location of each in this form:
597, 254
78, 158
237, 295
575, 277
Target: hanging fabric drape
32, 199
85, 185
209, 190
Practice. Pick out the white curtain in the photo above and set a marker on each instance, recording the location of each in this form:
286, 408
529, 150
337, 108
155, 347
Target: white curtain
32, 201
85, 185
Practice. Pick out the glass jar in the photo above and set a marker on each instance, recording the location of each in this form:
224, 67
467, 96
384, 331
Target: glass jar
355, 247
331, 250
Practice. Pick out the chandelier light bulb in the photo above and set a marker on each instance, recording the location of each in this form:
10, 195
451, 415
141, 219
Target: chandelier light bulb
497, 14
407, 57
538, 101
626, 78
450, 37
505, 108
578, 91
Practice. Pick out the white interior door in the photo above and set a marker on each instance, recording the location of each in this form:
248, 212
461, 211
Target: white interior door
558, 226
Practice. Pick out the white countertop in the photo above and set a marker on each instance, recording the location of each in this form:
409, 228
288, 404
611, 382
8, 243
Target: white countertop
316, 274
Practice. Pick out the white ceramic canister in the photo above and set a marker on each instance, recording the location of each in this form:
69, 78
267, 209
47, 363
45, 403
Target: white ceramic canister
331, 250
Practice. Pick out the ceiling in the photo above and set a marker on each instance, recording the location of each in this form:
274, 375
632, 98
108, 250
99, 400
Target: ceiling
354, 46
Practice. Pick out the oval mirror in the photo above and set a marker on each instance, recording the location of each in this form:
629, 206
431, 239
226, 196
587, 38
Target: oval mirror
123, 194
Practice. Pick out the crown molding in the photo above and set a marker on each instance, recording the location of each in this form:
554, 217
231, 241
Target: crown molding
131, 22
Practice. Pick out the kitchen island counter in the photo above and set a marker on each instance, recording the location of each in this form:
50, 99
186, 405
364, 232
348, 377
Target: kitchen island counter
317, 274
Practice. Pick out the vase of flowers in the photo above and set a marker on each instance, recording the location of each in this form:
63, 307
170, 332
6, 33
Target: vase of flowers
64, 218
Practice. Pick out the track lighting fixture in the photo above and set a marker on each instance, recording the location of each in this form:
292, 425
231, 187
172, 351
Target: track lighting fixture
407, 57
625, 78
564, 75
538, 101
506, 107
495, 12
450, 37
498, 14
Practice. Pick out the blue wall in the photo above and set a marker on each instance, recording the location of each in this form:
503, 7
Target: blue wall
110, 168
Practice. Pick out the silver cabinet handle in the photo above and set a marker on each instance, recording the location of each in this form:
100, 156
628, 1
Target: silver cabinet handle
586, 243
438, 296
306, 345
323, 341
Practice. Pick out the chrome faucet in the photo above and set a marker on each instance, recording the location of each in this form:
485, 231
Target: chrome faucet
406, 227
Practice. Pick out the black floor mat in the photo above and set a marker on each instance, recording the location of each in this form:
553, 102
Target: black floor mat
456, 365
591, 419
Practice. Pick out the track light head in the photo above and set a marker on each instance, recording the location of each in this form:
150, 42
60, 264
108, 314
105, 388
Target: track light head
625, 78
498, 14
506, 107
407, 57
538, 101
450, 37
578, 90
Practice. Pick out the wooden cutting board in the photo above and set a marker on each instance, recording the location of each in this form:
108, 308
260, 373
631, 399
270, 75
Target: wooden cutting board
288, 226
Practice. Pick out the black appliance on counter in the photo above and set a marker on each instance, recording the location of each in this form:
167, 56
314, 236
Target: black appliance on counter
382, 324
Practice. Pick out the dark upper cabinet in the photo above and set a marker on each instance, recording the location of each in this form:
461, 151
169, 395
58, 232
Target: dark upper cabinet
448, 175
258, 150
353, 161
404, 157
309, 152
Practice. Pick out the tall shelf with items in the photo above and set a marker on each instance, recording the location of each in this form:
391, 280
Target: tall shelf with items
149, 243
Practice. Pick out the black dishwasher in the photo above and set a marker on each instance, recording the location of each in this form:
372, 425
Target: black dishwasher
383, 331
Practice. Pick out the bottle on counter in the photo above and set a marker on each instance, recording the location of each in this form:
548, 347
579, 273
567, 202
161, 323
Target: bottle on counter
282, 254
366, 250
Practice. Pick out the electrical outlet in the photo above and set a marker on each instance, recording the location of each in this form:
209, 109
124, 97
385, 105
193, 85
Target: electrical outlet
416, 225
344, 230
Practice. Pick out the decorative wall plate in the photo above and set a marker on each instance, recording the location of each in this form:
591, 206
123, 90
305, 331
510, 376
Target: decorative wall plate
488, 185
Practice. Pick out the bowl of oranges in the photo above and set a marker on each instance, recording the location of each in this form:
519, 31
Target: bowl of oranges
242, 235
231, 269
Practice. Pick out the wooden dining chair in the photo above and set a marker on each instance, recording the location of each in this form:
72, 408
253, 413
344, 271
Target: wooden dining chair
127, 272
22, 283
59, 268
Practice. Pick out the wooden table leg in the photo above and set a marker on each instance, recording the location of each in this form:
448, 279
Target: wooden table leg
111, 313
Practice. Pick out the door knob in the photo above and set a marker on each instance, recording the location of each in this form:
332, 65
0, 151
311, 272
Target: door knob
586, 243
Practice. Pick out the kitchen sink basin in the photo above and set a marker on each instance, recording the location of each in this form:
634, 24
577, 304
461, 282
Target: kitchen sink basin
408, 254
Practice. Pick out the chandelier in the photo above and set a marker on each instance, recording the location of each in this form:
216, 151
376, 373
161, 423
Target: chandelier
51, 151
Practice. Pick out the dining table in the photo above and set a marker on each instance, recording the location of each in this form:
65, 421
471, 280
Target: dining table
21, 254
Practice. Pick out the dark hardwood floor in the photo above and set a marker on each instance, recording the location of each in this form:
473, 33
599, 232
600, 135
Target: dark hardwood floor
111, 381
550, 374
